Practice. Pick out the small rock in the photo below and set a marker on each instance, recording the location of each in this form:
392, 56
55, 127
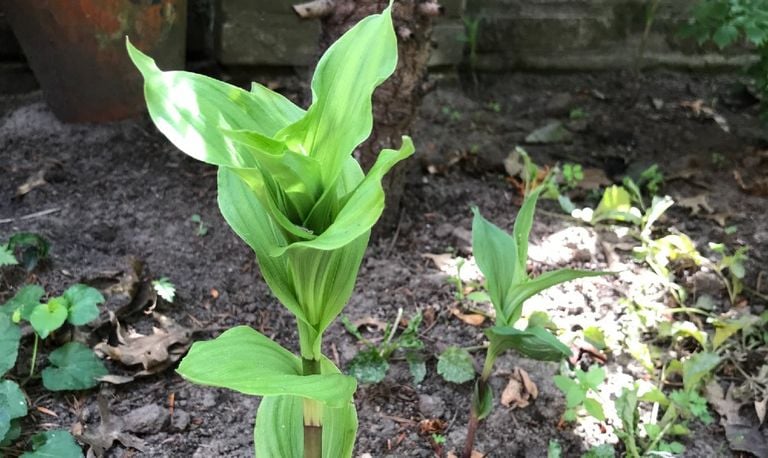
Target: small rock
180, 420
444, 230
431, 406
559, 105
706, 282
209, 399
148, 419
554, 132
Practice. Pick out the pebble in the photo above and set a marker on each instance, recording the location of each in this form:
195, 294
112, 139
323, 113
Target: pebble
180, 420
148, 419
209, 399
431, 406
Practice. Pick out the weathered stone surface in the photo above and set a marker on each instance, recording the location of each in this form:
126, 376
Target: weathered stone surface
247, 34
448, 44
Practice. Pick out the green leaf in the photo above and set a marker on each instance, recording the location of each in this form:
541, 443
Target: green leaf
600, 451
54, 444
456, 365
13, 433
368, 366
243, 360
73, 367
363, 206
22, 304
482, 399
554, 450
697, 367
724, 329
164, 288
7, 259
594, 408
33, 248
535, 342
340, 117
46, 318
495, 252
616, 204
5, 421
195, 111
417, 366
83, 304
10, 335
279, 429
594, 377
725, 35
626, 409
12, 400
596, 337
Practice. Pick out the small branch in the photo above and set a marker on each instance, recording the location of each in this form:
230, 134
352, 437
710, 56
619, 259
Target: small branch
314, 9
431, 9
31, 215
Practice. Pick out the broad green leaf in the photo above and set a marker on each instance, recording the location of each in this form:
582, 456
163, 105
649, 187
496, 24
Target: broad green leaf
362, 208
535, 342
495, 252
521, 232
279, 429
595, 336
48, 317
600, 451
12, 399
73, 367
23, 302
195, 111
482, 399
455, 365
417, 366
725, 35
243, 360
554, 450
594, 408
83, 304
616, 204
340, 117
566, 384
593, 378
5, 420
10, 334
13, 433
368, 366
57, 443
7, 259
697, 367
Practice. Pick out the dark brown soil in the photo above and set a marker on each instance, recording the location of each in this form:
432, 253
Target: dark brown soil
122, 190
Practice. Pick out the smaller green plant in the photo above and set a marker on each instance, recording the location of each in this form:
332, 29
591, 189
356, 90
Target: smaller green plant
439, 439
573, 174
73, 366
652, 179
731, 268
372, 363
577, 388
718, 160
24, 248
164, 288
494, 106
452, 114
577, 113
202, 228
471, 34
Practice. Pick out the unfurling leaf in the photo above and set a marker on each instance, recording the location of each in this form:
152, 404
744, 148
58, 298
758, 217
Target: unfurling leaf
83, 304
164, 288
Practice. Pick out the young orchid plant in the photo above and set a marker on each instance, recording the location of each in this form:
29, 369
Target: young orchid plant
290, 188
502, 259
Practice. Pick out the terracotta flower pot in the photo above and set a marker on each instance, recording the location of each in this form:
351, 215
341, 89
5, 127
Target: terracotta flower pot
76, 49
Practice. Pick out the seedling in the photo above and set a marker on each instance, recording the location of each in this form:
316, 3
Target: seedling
733, 263
25, 248
290, 188
577, 389
577, 113
573, 174
73, 365
502, 258
164, 288
452, 114
202, 228
372, 363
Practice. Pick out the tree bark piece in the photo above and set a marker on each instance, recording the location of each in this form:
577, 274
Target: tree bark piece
313, 9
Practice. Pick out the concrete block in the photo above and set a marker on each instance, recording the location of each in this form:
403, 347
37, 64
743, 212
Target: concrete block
247, 35
448, 45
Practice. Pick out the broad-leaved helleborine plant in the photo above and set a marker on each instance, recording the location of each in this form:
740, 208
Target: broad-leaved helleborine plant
290, 188
502, 259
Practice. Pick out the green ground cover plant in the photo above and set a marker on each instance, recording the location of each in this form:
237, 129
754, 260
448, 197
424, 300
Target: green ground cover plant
290, 188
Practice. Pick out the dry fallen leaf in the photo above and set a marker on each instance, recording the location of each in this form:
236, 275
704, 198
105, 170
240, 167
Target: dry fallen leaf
442, 261
742, 436
473, 319
35, 180
758, 187
520, 390
110, 429
370, 322
760, 408
721, 218
594, 178
696, 204
155, 352
431, 426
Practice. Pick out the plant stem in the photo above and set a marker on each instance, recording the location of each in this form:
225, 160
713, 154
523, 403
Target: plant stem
34, 358
469, 445
313, 416
474, 415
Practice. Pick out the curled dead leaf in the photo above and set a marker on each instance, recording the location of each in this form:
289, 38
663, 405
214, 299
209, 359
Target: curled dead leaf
431, 426
110, 429
473, 319
520, 390
37, 179
695, 204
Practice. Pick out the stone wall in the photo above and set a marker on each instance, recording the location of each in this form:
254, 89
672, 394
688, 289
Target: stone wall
586, 35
